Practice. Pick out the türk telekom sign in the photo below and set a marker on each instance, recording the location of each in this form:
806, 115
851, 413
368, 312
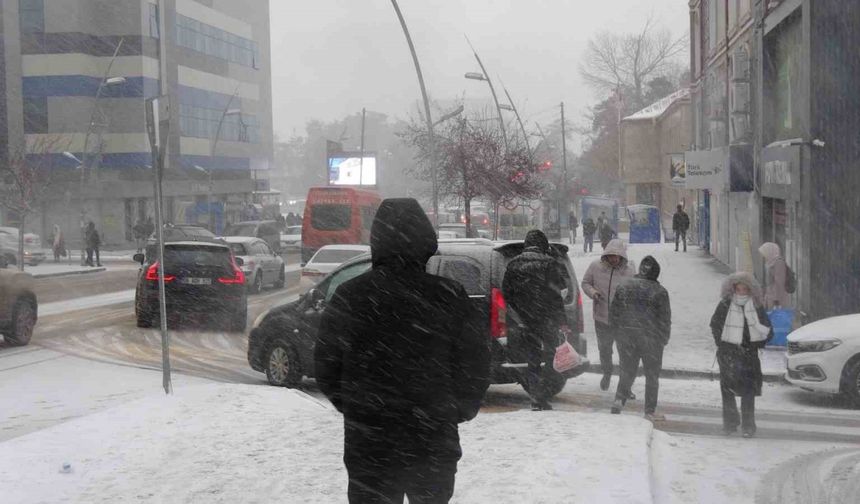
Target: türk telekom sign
707, 169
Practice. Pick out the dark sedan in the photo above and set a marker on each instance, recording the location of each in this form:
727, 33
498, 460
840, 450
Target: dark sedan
282, 342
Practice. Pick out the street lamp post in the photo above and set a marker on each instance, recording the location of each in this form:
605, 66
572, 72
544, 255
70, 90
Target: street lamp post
427, 116
227, 112
484, 76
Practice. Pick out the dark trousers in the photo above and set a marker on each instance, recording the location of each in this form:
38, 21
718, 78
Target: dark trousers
539, 347
605, 340
731, 418
651, 355
90, 252
588, 246
680, 236
426, 483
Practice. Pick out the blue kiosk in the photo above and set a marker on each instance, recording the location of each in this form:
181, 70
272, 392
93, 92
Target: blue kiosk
644, 223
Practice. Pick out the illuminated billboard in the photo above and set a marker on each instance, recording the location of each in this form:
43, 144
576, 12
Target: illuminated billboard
348, 169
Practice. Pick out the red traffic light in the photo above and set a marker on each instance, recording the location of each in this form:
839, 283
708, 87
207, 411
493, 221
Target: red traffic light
545, 166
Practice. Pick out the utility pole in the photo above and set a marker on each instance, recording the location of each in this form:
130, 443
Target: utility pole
565, 195
361, 161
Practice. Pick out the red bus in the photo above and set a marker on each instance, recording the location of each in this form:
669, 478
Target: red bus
337, 216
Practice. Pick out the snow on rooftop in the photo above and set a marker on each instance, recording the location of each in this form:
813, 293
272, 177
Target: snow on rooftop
658, 108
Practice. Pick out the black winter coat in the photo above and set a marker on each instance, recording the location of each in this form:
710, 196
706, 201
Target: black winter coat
589, 227
641, 310
740, 367
680, 221
532, 287
401, 353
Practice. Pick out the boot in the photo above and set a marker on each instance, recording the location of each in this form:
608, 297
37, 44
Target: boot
604, 382
616, 407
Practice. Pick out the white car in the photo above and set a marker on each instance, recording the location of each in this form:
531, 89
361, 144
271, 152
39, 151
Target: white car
261, 265
326, 260
824, 356
33, 253
292, 237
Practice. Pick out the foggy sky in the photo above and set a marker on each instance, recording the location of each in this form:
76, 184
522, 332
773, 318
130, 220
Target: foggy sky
330, 58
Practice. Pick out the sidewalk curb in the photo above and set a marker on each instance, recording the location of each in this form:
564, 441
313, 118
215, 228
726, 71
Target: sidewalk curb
68, 273
678, 374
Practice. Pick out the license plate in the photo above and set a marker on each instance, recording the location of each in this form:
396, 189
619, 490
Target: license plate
197, 281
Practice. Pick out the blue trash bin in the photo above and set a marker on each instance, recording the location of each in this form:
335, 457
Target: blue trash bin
782, 321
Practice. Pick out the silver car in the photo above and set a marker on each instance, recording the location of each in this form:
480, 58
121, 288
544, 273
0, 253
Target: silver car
33, 253
261, 265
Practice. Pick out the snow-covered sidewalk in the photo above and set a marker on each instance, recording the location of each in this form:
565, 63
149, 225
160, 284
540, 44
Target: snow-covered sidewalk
51, 269
693, 280
241, 443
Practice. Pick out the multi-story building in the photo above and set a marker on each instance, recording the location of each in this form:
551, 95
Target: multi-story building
776, 151
76, 75
654, 140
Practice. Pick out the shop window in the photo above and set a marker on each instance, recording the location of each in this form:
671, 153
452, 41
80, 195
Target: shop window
154, 30
35, 114
31, 15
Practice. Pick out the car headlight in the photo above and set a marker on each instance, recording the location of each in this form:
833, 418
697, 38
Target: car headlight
815, 346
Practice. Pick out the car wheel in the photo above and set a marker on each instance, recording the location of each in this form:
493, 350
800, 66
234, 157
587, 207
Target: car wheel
282, 365
23, 322
282, 279
145, 318
553, 382
851, 382
11, 260
257, 286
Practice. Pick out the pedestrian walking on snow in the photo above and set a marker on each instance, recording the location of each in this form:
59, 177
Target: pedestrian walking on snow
741, 328
642, 317
680, 225
404, 356
606, 234
93, 243
588, 230
573, 223
779, 278
532, 287
58, 243
600, 283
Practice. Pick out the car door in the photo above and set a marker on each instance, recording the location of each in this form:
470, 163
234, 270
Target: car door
317, 299
474, 276
263, 258
272, 263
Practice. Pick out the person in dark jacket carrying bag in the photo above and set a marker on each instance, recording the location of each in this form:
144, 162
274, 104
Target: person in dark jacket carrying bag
740, 327
404, 356
532, 287
642, 318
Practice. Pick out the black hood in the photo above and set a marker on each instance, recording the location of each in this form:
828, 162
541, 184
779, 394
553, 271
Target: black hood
536, 239
402, 235
649, 268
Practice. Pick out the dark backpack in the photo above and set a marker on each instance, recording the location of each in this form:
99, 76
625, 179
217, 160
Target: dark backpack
790, 280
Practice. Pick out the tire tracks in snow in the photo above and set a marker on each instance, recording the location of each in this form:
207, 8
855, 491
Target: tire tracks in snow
828, 477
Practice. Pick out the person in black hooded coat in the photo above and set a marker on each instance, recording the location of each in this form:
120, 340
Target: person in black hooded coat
405, 358
532, 287
642, 316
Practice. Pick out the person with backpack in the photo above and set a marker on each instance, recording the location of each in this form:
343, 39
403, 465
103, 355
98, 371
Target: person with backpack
779, 279
588, 230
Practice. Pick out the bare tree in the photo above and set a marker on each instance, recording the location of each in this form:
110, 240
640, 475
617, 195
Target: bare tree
25, 181
625, 63
472, 162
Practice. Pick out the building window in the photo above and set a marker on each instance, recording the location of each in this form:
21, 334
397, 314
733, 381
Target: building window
202, 122
216, 42
35, 114
31, 16
154, 30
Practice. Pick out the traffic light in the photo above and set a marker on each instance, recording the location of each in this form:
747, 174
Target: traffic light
545, 166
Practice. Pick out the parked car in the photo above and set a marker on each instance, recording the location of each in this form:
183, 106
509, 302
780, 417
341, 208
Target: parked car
185, 231
203, 279
261, 265
268, 230
824, 356
19, 308
326, 260
33, 253
291, 238
281, 342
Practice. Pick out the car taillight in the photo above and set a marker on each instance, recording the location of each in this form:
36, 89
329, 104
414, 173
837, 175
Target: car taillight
238, 275
498, 315
580, 321
152, 274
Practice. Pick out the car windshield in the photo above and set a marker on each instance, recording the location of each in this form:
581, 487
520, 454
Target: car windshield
335, 256
656, 300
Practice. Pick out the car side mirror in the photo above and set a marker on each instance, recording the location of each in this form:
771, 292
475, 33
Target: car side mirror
240, 262
139, 258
